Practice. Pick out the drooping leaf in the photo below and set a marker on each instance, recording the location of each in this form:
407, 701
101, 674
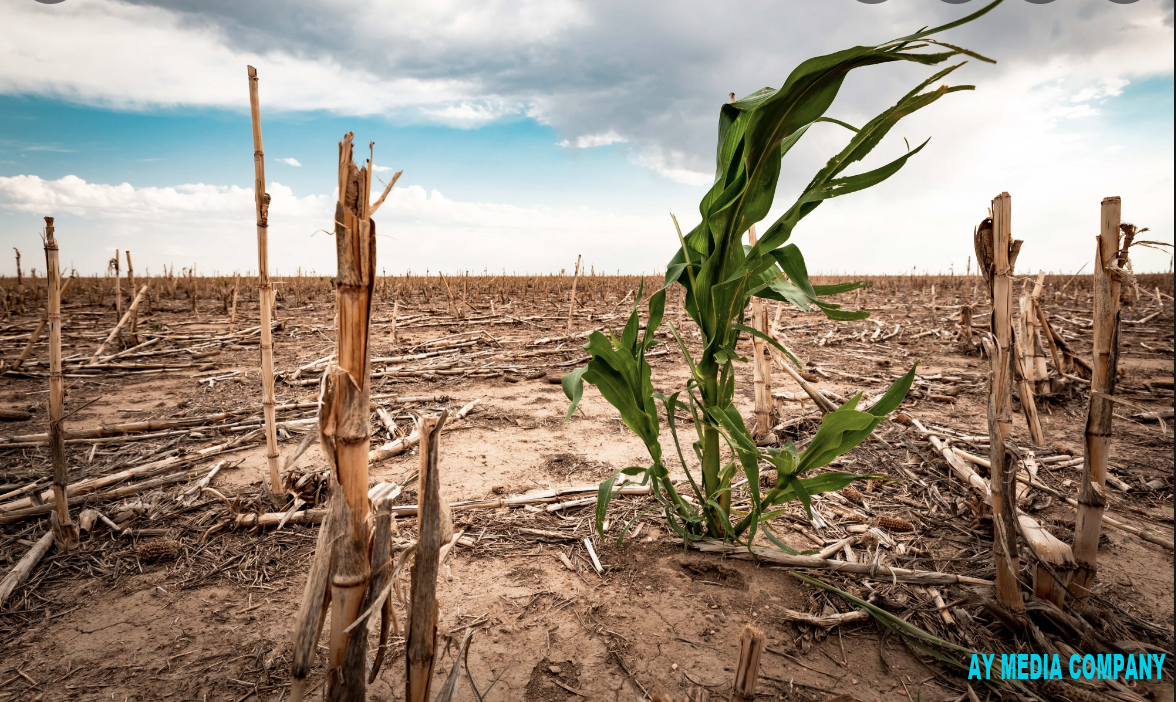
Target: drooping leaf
671, 405
818, 485
573, 387
837, 289
777, 542
744, 447
603, 496
834, 437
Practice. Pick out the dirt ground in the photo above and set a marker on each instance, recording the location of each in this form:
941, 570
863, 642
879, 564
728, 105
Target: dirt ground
216, 621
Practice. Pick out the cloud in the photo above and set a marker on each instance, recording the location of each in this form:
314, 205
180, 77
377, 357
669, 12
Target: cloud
652, 76
289, 161
1073, 111
212, 226
52, 149
1107, 87
72, 195
166, 60
472, 114
654, 72
671, 165
591, 141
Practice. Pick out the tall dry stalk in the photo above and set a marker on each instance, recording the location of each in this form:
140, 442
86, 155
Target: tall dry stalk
572, 301
65, 530
448, 292
395, 314
1109, 263
262, 201
761, 365
131, 287
233, 310
342, 568
114, 264
1027, 353
1025, 385
996, 254
344, 418
1045, 340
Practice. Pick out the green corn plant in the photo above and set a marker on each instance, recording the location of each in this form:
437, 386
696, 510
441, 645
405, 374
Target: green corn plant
720, 274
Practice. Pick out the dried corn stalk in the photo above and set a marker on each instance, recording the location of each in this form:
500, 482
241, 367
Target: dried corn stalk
341, 570
996, 253
751, 648
1110, 262
434, 526
65, 530
264, 293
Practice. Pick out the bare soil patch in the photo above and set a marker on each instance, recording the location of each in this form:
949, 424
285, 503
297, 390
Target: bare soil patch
216, 621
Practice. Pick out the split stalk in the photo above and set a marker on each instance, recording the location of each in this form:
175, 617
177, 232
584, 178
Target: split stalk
1004, 496
345, 427
432, 521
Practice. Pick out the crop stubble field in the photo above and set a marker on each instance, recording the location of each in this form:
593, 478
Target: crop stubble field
209, 614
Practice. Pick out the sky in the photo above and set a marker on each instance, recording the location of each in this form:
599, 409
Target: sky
536, 131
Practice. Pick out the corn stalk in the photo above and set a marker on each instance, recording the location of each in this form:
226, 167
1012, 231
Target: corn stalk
1109, 266
64, 529
341, 570
996, 253
264, 295
721, 275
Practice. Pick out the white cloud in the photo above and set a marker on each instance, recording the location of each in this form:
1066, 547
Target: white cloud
1111, 86
591, 141
472, 114
72, 195
669, 165
212, 226
65, 51
52, 149
1038, 126
291, 161
1073, 111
